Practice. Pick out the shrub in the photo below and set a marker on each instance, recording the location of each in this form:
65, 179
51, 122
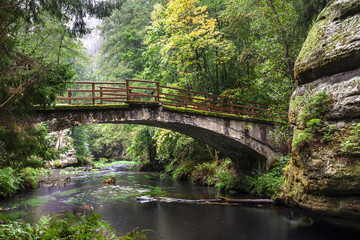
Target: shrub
9, 182
30, 176
68, 226
281, 137
312, 118
352, 142
184, 170
202, 172
316, 107
267, 184
300, 138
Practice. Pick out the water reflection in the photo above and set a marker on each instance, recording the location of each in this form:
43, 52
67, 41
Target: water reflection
169, 221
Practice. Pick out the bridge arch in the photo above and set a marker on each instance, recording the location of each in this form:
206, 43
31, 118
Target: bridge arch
245, 141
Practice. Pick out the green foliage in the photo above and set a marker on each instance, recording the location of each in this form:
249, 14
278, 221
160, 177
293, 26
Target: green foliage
315, 125
81, 146
202, 172
124, 32
9, 182
352, 142
224, 178
68, 226
329, 133
108, 140
143, 146
301, 137
24, 145
184, 170
281, 137
312, 117
267, 184
315, 107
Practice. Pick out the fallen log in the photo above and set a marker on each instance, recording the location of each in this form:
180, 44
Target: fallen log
221, 200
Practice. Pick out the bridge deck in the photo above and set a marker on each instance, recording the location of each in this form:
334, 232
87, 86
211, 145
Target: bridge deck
94, 93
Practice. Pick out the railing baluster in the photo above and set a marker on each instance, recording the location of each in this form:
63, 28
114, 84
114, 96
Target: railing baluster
101, 95
93, 93
128, 96
157, 98
185, 97
210, 109
252, 111
69, 95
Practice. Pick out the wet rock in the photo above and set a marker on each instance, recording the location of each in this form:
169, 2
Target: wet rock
111, 180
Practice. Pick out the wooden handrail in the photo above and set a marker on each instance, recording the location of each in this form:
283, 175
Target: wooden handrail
97, 93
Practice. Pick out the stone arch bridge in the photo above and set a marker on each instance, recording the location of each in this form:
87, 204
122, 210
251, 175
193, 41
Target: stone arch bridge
245, 141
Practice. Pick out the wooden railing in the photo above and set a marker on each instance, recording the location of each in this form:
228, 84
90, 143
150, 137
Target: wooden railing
152, 91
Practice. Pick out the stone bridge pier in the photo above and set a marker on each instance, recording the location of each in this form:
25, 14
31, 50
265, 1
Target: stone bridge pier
245, 141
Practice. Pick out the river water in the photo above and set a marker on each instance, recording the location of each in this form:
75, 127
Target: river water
167, 221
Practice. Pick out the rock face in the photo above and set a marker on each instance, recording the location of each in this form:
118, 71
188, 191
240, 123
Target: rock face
68, 158
324, 174
332, 45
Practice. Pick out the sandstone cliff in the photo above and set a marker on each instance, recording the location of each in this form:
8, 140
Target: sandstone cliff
324, 174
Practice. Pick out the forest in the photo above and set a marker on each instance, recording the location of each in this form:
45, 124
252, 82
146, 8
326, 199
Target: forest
235, 48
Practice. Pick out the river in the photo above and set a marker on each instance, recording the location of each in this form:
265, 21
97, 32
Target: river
167, 221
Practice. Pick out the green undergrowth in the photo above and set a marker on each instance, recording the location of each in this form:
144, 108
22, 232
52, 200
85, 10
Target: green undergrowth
221, 175
267, 184
12, 181
351, 143
311, 121
68, 226
217, 173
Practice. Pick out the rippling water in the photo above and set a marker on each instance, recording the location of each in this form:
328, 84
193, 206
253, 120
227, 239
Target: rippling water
168, 221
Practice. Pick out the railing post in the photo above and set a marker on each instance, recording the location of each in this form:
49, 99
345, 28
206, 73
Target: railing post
101, 95
128, 96
185, 97
231, 106
157, 98
271, 114
69, 95
210, 103
93, 93
252, 111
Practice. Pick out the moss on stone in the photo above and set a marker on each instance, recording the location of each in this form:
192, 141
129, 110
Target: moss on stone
85, 107
206, 113
332, 43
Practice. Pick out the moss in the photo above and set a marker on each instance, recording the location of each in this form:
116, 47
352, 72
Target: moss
85, 107
206, 113
142, 102
327, 42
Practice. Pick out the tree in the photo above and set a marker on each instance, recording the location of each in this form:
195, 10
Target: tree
124, 32
193, 52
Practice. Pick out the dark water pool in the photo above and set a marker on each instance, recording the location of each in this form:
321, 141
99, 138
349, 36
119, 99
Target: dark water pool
168, 221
